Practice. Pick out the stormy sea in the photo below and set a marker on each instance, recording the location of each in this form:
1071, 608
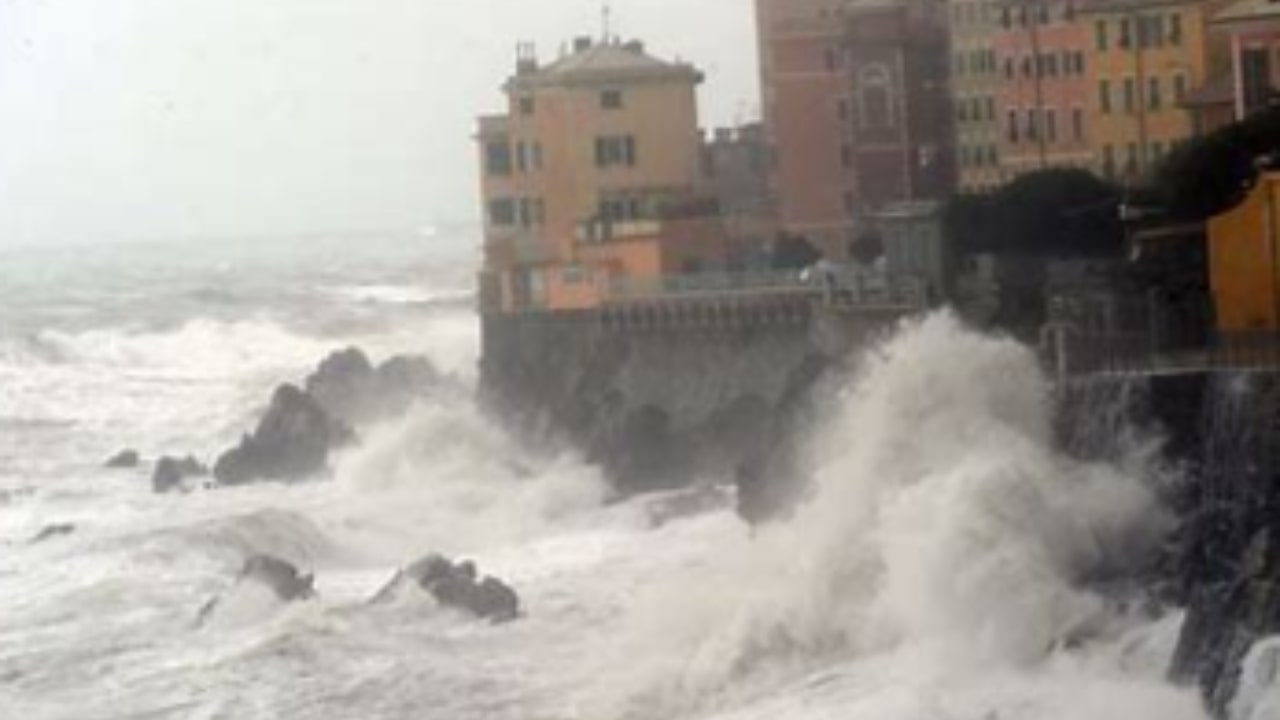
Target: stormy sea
938, 571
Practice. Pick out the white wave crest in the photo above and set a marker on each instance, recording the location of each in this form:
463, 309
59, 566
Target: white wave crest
942, 555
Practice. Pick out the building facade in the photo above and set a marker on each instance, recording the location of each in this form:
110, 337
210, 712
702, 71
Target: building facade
597, 156
856, 111
1251, 29
805, 88
1043, 98
1149, 57
975, 84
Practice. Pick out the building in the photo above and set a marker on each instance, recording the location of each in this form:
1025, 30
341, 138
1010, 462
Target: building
899, 143
1252, 29
1044, 92
856, 110
736, 174
975, 82
1147, 57
591, 179
805, 87
1244, 261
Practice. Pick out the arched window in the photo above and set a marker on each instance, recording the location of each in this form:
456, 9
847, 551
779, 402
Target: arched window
875, 98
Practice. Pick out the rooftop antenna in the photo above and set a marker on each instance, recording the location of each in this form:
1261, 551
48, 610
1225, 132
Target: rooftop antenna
606, 18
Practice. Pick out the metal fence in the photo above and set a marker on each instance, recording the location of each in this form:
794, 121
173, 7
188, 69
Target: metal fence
1120, 336
836, 286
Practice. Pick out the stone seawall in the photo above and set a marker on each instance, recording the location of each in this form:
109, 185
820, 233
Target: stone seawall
673, 398
1221, 434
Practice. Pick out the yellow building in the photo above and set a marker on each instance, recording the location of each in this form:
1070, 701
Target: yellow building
595, 149
1148, 57
1244, 261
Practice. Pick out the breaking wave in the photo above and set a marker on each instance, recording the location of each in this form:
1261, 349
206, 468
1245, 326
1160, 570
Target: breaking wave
942, 565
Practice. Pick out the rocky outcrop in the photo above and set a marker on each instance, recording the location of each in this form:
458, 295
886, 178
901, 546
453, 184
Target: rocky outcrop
50, 532
292, 442
280, 576
303, 426
456, 585
124, 460
172, 473
354, 392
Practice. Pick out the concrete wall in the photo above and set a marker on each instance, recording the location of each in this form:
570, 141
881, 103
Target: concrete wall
666, 406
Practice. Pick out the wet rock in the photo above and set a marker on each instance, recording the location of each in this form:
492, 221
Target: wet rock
352, 391
292, 442
53, 531
455, 585
124, 460
171, 473
280, 576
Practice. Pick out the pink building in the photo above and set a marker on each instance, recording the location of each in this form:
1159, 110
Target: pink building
1044, 91
1254, 28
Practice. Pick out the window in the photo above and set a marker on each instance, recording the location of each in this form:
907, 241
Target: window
497, 157
1080, 62
1051, 65
1130, 95
574, 275
1175, 29
1051, 125
522, 157
1100, 34
846, 156
991, 109
1126, 34
537, 156
502, 212
833, 60
1153, 93
1104, 96
959, 62
1033, 129
526, 105
1131, 158
1013, 126
611, 100
842, 110
875, 98
1109, 160
1179, 87
1077, 124
612, 151
1009, 68
1255, 71
1026, 66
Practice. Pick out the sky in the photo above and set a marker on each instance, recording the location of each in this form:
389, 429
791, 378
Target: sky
150, 119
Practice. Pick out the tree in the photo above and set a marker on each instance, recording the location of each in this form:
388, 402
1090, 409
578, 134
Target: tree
794, 252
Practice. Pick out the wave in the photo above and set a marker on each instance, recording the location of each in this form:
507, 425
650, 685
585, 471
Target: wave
415, 295
943, 559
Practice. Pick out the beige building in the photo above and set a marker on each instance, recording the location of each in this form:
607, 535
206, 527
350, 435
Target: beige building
975, 84
595, 151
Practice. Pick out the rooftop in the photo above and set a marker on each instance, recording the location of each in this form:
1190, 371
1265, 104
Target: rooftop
604, 62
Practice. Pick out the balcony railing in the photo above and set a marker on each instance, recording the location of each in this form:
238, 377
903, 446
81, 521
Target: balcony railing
838, 287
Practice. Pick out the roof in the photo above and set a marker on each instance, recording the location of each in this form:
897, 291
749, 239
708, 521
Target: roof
607, 62
1246, 11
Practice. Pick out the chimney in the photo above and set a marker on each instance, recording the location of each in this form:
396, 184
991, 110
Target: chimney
581, 44
526, 58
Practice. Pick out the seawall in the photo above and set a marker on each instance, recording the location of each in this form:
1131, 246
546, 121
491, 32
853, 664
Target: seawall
660, 395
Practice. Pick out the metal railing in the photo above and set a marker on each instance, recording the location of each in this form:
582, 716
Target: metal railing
841, 287
1144, 336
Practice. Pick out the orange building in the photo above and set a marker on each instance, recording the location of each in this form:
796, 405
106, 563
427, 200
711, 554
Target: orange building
591, 177
1244, 260
1147, 58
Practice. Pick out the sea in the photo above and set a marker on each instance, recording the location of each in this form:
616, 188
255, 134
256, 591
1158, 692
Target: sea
939, 571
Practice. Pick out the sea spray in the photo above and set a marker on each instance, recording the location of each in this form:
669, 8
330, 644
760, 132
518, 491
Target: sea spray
947, 547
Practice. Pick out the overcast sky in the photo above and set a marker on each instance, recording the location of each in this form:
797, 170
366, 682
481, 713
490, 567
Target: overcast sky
180, 118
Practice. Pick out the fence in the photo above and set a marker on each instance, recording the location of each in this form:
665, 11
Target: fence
835, 286
1118, 336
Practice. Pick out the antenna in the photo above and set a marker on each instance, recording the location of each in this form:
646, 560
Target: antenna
606, 19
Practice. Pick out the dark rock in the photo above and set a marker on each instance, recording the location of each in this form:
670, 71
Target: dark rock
292, 442
352, 391
171, 473
52, 531
280, 576
124, 460
454, 585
